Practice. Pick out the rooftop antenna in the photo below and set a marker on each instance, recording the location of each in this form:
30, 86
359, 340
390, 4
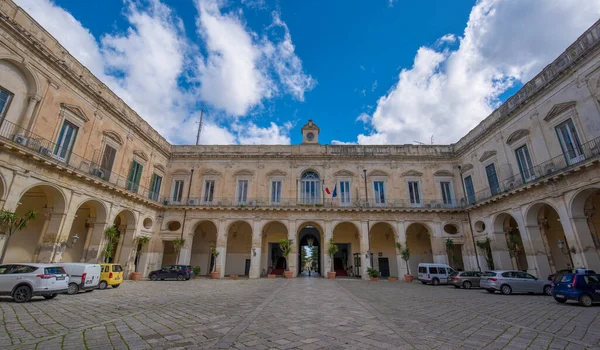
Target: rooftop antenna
200, 125
432, 139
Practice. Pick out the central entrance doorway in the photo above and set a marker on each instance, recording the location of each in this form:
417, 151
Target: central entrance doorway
309, 242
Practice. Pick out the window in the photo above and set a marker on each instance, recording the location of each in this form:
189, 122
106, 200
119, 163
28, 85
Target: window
379, 192
24, 269
108, 159
242, 191
310, 188
490, 170
422, 269
117, 268
54, 270
5, 98
414, 194
135, 174
155, 187
446, 188
344, 192
209, 191
569, 142
433, 270
525, 164
276, 192
65, 141
177, 190
441, 270
470, 190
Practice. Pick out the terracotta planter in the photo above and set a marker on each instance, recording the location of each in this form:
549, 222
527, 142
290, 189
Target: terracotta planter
374, 279
288, 274
234, 277
136, 276
331, 275
392, 279
271, 276
215, 275
408, 278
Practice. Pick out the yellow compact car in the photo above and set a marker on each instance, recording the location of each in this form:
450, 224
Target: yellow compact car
112, 275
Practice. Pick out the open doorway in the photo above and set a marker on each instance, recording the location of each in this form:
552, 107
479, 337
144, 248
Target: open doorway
308, 239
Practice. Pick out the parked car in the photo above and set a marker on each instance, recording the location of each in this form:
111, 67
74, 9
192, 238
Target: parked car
581, 287
179, 272
112, 275
465, 279
508, 282
560, 272
21, 281
84, 277
434, 273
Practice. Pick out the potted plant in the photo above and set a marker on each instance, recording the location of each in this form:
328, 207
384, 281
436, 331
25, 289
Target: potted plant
405, 254
373, 274
214, 274
112, 240
141, 242
11, 223
331, 252
286, 248
392, 278
197, 270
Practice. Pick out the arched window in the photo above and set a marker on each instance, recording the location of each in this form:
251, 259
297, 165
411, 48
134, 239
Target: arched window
310, 188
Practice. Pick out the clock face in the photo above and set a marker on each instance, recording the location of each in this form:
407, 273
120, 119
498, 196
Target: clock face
310, 136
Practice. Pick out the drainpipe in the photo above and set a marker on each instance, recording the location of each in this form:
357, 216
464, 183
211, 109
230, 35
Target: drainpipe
469, 219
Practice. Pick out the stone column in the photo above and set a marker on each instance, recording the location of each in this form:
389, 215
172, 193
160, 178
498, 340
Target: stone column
401, 238
293, 257
221, 248
47, 212
364, 249
122, 233
26, 119
255, 252
579, 239
89, 224
185, 254
533, 246
438, 245
325, 258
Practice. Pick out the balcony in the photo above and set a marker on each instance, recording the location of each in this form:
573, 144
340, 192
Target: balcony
589, 151
50, 152
327, 203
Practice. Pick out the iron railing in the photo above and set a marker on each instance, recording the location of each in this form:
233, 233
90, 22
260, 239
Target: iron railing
53, 153
572, 158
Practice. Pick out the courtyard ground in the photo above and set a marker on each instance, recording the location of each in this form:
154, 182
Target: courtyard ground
301, 313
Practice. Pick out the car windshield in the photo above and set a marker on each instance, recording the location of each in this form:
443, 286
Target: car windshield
117, 268
54, 270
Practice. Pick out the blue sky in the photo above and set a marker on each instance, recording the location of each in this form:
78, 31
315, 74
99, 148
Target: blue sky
369, 72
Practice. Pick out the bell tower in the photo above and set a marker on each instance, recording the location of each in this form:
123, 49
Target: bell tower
310, 133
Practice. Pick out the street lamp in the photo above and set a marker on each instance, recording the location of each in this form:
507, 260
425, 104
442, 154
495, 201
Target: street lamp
73, 241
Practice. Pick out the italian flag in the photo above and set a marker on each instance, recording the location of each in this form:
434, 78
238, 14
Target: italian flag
326, 189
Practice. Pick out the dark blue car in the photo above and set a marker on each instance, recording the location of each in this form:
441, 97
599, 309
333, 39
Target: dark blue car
583, 288
178, 272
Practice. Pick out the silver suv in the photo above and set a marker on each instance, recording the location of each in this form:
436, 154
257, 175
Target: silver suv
508, 282
21, 281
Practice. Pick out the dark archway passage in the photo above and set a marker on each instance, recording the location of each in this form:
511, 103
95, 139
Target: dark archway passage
308, 239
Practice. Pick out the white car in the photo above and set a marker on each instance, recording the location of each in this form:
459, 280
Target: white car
21, 281
82, 276
434, 273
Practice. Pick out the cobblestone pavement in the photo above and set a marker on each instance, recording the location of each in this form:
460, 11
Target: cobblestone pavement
301, 313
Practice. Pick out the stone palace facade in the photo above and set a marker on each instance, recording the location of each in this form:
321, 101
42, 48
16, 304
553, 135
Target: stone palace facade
521, 190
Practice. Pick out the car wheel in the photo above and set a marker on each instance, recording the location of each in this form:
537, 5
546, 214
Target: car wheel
73, 289
435, 282
102, 285
22, 294
585, 300
153, 277
491, 291
50, 296
180, 277
116, 285
505, 289
548, 290
560, 300
467, 285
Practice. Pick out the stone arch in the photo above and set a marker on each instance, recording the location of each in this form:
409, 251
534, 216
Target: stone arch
271, 233
204, 236
125, 222
382, 244
418, 241
584, 210
311, 232
23, 83
346, 235
88, 224
239, 248
506, 225
36, 243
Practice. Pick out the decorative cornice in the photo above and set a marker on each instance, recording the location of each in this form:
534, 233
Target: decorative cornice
516, 136
211, 172
181, 172
377, 173
113, 136
244, 172
344, 172
159, 168
559, 109
443, 173
141, 154
76, 111
466, 167
487, 155
276, 172
412, 173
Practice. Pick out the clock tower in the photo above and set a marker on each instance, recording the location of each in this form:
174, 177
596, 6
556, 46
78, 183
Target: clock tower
310, 133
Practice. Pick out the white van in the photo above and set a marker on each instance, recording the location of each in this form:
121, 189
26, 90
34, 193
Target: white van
434, 273
82, 276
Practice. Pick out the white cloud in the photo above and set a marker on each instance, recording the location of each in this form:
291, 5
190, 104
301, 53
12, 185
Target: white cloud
273, 135
447, 92
336, 142
374, 86
448, 38
363, 117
